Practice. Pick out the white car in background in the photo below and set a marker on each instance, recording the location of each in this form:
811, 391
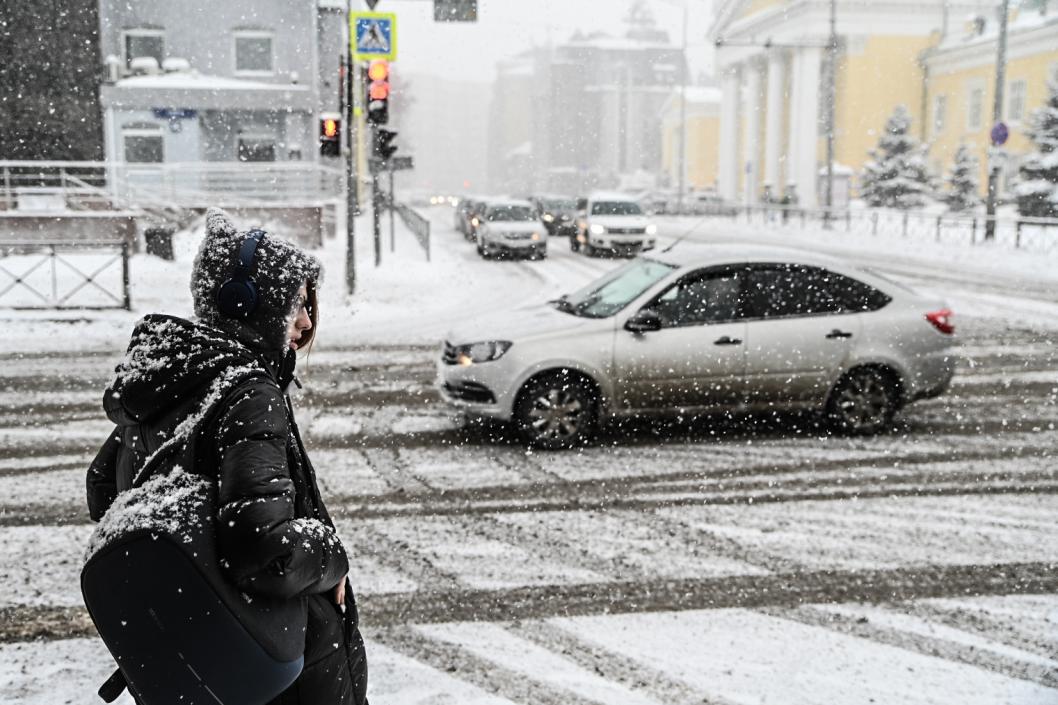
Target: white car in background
705, 329
615, 223
511, 228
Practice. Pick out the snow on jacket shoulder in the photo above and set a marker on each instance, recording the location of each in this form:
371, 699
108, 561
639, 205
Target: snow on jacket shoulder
266, 546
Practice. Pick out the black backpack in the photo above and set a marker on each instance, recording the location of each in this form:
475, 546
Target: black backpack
179, 630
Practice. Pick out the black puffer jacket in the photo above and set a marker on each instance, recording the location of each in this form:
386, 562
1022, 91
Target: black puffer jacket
274, 533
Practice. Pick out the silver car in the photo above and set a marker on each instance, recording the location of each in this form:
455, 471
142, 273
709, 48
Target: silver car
705, 328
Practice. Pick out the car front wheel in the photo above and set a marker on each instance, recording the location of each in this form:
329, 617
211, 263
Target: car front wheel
556, 412
862, 402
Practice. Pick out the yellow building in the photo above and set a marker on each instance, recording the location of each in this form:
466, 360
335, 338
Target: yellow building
771, 60
960, 85
702, 117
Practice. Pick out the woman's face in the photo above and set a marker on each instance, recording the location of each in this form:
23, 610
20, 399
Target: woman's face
301, 321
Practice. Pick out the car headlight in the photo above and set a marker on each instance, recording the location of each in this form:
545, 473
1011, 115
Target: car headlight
652, 229
548, 217
485, 351
597, 229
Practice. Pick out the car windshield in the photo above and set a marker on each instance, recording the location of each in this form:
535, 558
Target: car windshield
503, 213
615, 208
560, 205
606, 296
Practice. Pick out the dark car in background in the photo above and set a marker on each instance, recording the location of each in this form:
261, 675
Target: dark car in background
558, 213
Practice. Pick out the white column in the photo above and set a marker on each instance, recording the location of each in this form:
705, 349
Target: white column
727, 176
794, 136
806, 166
773, 122
751, 145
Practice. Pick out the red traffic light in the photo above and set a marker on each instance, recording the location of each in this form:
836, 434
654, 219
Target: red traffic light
378, 90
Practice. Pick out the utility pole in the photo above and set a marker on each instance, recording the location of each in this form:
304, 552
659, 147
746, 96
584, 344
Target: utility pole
683, 116
997, 117
832, 72
351, 202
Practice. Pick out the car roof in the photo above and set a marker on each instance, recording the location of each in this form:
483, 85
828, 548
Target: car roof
507, 202
610, 196
702, 255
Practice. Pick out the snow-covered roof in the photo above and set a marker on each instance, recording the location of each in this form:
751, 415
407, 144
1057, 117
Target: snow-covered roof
604, 41
192, 80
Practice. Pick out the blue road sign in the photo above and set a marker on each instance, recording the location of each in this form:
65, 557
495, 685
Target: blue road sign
374, 35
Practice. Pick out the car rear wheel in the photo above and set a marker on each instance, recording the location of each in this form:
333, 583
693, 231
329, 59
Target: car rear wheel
862, 402
556, 412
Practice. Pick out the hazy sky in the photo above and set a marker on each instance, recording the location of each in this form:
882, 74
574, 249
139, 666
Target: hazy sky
505, 27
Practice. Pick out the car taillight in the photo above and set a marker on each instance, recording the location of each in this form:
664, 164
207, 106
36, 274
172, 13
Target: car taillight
941, 320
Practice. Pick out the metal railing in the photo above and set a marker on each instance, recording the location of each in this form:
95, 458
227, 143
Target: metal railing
90, 185
419, 225
64, 275
967, 228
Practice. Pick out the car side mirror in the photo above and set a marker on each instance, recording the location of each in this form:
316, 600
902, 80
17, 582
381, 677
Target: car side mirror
644, 321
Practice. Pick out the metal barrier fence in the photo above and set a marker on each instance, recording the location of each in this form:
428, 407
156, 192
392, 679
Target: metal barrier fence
92, 185
419, 226
1033, 233
64, 275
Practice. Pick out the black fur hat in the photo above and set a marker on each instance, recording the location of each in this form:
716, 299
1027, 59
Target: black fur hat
279, 269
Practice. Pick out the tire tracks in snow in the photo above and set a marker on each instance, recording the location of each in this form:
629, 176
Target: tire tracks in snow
781, 590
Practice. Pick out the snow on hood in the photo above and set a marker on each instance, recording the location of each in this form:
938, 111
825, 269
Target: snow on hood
168, 360
517, 324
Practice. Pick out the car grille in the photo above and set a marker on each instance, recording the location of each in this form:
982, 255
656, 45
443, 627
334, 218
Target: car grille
518, 236
626, 231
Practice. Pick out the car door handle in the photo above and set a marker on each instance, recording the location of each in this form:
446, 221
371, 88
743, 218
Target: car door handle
838, 334
727, 340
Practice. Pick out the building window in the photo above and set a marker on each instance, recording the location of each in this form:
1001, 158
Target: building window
975, 106
940, 110
256, 149
143, 145
144, 42
253, 53
1016, 100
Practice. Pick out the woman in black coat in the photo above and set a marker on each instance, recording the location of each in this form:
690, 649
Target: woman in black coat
275, 537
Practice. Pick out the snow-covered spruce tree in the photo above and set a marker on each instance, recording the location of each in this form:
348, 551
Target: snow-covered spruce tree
896, 175
1037, 187
962, 181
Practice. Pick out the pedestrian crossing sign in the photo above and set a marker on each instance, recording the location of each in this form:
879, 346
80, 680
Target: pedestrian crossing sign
374, 35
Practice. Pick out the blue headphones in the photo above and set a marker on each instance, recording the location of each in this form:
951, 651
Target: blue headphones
237, 297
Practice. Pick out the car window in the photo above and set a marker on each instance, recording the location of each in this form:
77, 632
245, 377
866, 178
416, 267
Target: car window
854, 295
606, 296
615, 208
699, 299
798, 290
559, 205
506, 213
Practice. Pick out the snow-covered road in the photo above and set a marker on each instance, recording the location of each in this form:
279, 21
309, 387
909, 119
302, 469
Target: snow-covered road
684, 561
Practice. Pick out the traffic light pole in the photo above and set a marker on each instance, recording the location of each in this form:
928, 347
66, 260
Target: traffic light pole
352, 204
392, 203
376, 205
997, 117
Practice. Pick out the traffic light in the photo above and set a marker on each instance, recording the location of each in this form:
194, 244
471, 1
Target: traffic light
383, 147
378, 92
330, 137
